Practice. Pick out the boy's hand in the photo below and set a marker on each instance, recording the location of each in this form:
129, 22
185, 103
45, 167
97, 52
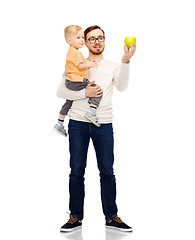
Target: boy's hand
128, 53
93, 64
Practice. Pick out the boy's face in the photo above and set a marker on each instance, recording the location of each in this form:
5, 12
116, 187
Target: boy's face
77, 40
97, 47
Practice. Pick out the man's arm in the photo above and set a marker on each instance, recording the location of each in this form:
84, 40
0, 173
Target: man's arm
89, 91
121, 75
64, 92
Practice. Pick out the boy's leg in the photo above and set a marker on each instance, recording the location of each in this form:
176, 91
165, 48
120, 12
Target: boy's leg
65, 108
95, 102
91, 113
76, 86
61, 119
59, 127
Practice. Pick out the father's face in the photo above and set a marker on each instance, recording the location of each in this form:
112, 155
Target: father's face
97, 47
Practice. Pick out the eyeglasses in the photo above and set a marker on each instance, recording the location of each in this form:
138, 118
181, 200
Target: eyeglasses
93, 39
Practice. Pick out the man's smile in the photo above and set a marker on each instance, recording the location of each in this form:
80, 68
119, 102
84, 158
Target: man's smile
97, 46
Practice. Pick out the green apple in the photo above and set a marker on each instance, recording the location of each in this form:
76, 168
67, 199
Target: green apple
129, 41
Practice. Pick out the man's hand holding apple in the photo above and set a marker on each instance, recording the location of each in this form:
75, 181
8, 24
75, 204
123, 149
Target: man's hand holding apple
128, 53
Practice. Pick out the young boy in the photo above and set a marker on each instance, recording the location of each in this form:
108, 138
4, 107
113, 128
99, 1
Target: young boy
76, 76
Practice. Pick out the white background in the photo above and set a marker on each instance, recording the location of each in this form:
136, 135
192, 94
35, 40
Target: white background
153, 120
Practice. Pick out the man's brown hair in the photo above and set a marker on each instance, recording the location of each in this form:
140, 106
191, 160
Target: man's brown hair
89, 29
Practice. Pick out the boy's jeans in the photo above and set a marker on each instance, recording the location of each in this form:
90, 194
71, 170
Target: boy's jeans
103, 141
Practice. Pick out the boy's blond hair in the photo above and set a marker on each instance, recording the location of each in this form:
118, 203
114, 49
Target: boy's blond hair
72, 29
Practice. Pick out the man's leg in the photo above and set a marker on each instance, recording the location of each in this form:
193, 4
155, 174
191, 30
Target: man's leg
79, 136
103, 141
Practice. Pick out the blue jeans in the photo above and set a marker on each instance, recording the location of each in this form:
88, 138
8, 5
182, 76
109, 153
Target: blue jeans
103, 141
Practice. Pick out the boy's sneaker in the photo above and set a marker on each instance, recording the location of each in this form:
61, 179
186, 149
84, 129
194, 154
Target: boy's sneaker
117, 223
72, 224
60, 129
92, 118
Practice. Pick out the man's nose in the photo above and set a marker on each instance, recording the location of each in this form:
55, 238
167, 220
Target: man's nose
97, 42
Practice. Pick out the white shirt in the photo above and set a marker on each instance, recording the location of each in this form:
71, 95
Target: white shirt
107, 75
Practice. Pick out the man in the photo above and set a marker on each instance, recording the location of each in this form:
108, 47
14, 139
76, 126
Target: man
105, 76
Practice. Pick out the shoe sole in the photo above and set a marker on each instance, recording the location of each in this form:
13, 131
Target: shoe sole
69, 229
120, 229
60, 132
97, 125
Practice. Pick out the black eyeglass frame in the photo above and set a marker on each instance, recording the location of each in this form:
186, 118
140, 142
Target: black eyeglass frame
96, 39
